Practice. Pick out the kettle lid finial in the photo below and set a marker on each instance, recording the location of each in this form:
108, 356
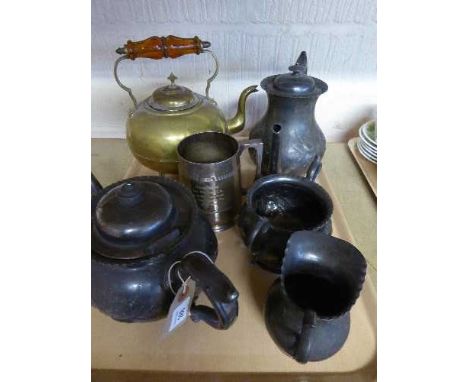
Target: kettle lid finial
172, 77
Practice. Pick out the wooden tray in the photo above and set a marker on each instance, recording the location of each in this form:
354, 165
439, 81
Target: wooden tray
368, 168
196, 352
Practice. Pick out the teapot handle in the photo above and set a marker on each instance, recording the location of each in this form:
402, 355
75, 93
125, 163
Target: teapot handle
157, 48
218, 288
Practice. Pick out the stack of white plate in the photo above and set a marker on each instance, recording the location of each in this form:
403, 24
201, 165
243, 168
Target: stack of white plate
367, 143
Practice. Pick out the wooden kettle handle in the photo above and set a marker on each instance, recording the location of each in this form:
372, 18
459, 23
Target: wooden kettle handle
163, 47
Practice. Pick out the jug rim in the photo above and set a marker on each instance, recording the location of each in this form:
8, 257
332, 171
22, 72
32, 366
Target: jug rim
355, 262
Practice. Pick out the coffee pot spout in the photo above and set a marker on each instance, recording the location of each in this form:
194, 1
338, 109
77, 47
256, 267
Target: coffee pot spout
236, 124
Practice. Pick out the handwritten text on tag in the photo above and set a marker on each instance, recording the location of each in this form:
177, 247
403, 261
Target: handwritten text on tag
179, 311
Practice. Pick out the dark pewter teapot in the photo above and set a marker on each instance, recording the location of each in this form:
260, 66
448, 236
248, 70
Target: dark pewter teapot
141, 229
291, 105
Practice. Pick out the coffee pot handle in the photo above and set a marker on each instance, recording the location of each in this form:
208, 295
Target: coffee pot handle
314, 168
156, 48
217, 287
304, 343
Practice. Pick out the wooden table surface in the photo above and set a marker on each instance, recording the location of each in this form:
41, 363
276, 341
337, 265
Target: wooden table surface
123, 352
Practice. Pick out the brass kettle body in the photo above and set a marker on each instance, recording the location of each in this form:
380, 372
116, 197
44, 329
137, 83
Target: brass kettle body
157, 124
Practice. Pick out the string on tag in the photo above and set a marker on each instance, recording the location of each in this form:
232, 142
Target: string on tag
184, 282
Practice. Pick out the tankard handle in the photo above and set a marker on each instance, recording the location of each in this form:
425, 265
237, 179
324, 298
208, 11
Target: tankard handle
257, 145
217, 287
304, 343
156, 48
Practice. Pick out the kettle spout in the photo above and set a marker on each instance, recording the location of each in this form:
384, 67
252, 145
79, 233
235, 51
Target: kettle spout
236, 124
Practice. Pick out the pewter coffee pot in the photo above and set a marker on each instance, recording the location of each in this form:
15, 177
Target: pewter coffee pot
291, 107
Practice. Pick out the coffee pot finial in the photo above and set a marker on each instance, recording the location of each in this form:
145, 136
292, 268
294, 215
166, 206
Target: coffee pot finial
300, 67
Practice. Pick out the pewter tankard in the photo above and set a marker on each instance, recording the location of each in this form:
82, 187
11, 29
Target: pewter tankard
209, 164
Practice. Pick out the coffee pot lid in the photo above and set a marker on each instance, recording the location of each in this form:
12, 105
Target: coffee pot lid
173, 97
296, 83
134, 211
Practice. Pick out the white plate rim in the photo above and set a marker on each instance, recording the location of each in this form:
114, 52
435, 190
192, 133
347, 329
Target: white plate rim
364, 130
369, 141
367, 151
365, 154
368, 147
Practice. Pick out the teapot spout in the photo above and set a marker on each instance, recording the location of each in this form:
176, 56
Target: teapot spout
95, 186
236, 124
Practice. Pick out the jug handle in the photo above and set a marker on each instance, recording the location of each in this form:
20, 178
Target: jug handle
157, 48
304, 344
217, 287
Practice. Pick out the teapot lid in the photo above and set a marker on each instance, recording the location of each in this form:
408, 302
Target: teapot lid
295, 84
140, 217
134, 211
173, 97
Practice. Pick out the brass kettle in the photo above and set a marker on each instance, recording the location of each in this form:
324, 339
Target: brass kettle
157, 124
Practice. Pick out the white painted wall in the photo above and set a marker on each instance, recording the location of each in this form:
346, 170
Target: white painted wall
252, 39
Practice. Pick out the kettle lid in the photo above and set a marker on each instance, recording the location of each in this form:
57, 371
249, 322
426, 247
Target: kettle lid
134, 211
173, 97
296, 83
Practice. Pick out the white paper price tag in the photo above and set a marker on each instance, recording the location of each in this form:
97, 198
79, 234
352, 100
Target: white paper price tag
179, 311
